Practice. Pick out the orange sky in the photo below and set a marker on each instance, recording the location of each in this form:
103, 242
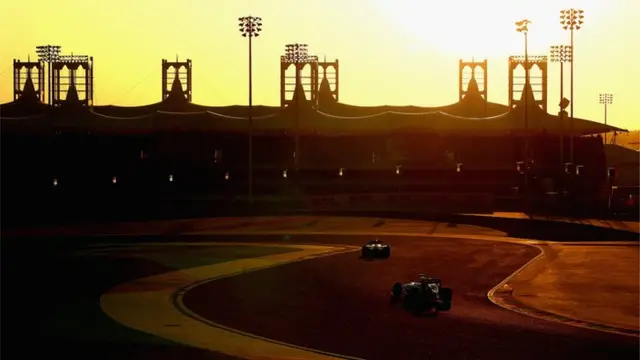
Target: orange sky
391, 51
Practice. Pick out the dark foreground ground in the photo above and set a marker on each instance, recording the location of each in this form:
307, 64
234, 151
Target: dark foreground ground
337, 304
51, 302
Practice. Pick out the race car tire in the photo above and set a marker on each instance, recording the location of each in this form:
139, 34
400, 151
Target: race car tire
446, 294
386, 253
365, 253
445, 306
396, 290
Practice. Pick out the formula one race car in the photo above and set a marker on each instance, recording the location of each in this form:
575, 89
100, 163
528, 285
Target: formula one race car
426, 294
376, 249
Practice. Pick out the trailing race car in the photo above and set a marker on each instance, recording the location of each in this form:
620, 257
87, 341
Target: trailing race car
426, 294
376, 249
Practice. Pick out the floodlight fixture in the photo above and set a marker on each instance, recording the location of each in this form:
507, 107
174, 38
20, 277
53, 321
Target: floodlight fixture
560, 53
48, 53
73, 58
250, 26
296, 53
523, 26
571, 19
606, 99
525, 58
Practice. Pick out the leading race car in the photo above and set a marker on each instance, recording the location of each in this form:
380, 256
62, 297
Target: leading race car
424, 295
376, 249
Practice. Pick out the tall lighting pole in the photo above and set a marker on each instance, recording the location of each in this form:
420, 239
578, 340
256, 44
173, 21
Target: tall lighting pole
522, 26
298, 54
561, 54
48, 54
571, 20
250, 27
606, 99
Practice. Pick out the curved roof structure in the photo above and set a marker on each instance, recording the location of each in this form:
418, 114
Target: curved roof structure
472, 105
177, 102
472, 115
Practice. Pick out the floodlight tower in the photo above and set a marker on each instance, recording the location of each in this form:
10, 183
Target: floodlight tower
561, 54
298, 54
250, 27
522, 26
49, 54
571, 20
606, 99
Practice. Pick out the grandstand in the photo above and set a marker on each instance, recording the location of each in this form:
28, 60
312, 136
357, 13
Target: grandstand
176, 146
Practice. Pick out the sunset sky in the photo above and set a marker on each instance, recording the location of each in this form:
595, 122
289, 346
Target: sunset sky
394, 52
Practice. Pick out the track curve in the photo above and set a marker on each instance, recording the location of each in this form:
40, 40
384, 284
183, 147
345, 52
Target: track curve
339, 304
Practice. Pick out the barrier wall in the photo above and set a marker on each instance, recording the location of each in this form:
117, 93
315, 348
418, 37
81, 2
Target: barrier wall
414, 202
138, 208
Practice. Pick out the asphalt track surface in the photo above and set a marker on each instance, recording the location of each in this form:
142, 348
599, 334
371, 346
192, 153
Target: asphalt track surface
340, 304
337, 304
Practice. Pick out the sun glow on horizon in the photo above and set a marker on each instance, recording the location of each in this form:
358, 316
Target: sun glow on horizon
483, 29
396, 52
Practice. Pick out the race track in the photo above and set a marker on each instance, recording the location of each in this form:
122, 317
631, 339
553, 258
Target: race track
340, 304
337, 304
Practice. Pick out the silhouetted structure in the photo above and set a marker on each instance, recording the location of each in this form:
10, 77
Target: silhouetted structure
66, 86
178, 146
538, 83
464, 86
309, 82
329, 85
322, 82
172, 84
33, 85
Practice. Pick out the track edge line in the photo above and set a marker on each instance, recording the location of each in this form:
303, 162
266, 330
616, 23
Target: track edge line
176, 301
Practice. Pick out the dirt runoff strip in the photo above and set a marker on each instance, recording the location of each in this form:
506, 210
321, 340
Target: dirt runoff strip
592, 286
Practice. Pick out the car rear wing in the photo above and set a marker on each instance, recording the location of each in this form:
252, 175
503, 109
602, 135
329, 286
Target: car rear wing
432, 280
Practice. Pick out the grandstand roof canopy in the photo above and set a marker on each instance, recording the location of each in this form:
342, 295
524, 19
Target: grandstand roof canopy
472, 115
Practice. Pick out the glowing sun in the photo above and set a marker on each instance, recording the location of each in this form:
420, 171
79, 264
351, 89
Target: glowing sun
484, 28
